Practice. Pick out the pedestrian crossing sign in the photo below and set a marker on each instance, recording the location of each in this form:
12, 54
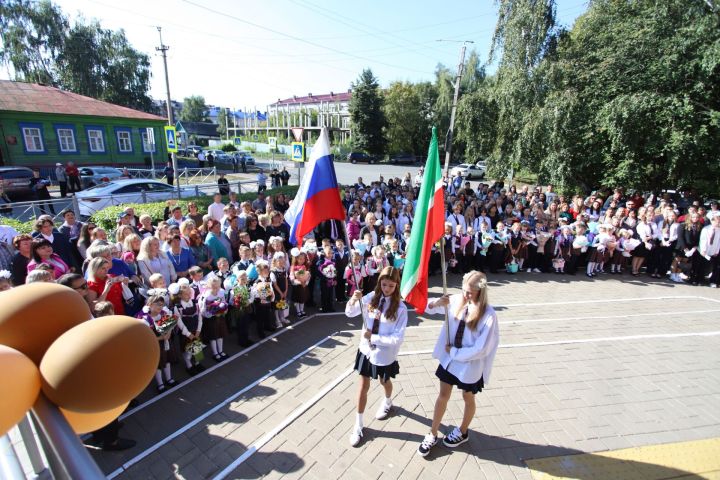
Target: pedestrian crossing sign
298, 152
171, 139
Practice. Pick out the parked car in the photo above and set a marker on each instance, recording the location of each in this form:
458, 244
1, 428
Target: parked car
469, 170
408, 158
91, 176
15, 181
193, 150
219, 156
130, 190
354, 157
249, 160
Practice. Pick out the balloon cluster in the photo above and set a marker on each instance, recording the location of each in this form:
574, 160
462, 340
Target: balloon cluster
90, 369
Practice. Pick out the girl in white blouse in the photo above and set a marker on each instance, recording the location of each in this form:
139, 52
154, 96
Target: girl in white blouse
466, 358
384, 322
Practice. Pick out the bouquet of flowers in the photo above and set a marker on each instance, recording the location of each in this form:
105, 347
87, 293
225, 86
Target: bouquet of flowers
216, 307
165, 323
281, 304
329, 272
263, 291
195, 348
581, 242
240, 296
301, 276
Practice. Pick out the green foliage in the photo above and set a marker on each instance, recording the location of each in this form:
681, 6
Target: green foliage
194, 109
228, 147
221, 119
408, 128
107, 217
475, 125
20, 226
40, 46
366, 115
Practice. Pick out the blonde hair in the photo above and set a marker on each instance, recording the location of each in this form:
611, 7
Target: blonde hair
476, 282
127, 243
103, 309
144, 253
122, 233
94, 265
154, 278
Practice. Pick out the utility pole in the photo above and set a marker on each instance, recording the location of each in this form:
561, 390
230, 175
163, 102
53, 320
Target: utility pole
449, 138
163, 49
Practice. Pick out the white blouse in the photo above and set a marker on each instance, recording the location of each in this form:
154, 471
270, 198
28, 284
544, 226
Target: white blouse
390, 333
475, 358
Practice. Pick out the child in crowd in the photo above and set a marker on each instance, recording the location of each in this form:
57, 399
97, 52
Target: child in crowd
351, 277
5, 283
327, 272
341, 257
263, 295
160, 319
281, 286
300, 280
189, 322
214, 307
374, 266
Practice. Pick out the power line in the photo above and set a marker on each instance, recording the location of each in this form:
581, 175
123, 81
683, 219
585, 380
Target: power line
298, 39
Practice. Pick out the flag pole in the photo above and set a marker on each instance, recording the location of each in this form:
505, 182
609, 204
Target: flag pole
444, 279
355, 277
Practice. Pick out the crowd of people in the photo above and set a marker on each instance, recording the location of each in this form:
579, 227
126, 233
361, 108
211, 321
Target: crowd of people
196, 276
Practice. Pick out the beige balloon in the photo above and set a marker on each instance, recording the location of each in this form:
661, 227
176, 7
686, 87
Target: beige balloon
20, 380
33, 316
89, 422
101, 364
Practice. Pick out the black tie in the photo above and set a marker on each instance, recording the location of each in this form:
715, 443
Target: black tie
460, 331
376, 324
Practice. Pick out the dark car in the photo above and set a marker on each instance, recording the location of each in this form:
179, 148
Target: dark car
402, 158
15, 181
355, 157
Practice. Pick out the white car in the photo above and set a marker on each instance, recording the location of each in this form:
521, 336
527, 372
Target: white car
123, 191
469, 170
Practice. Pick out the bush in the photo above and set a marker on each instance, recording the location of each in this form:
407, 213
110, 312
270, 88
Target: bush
21, 227
107, 217
228, 147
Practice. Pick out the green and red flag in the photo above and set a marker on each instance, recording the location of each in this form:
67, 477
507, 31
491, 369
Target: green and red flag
427, 229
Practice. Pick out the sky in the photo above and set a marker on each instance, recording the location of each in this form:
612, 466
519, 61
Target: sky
241, 54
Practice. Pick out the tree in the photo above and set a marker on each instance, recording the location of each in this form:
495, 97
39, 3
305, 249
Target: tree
367, 118
476, 124
194, 109
40, 46
408, 126
222, 119
524, 34
634, 98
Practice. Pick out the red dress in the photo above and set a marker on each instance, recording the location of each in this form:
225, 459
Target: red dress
114, 296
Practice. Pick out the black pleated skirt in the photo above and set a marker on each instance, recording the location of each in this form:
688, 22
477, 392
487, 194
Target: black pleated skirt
366, 368
449, 378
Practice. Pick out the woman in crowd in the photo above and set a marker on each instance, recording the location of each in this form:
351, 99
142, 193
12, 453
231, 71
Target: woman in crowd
102, 287
181, 258
21, 259
200, 251
152, 259
42, 253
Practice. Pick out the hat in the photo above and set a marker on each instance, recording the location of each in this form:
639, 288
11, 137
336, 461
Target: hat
58, 164
278, 255
378, 223
122, 214
174, 289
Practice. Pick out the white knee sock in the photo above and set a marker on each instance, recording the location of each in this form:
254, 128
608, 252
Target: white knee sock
187, 357
158, 376
213, 347
168, 373
220, 345
590, 267
298, 307
359, 420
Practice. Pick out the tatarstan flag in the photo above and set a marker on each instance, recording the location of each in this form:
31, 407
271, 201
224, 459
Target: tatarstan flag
426, 230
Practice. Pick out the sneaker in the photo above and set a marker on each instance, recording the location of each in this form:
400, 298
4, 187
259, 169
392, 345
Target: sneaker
713, 285
428, 442
383, 411
455, 438
278, 324
536, 270
356, 436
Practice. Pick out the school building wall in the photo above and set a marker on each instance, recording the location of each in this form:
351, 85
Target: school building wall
15, 152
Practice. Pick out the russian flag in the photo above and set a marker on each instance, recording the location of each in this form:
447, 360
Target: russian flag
318, 197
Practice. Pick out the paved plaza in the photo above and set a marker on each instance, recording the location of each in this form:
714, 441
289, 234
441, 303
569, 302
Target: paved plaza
583, 367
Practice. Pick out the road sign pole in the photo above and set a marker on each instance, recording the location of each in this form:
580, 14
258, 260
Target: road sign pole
163, 49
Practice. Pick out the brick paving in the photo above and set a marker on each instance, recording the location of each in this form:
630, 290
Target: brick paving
584, 366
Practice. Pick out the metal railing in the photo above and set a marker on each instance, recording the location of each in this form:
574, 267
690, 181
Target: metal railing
43, 445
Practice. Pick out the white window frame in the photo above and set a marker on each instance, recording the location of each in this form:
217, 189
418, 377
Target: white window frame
147, 146
66, 140
122, 137
35, 135
94, 141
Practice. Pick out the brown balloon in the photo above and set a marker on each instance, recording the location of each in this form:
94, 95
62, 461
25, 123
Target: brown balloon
100, 365
89, 422
20, 380
33, 316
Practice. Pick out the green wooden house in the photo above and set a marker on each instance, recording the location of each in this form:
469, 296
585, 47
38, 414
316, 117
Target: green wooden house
41, 125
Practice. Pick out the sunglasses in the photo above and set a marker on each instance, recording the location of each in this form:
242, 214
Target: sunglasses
84, 286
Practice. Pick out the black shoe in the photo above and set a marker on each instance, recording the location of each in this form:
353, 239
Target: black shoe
161, 388
198, 367
218, 358
192, 371
428, 442
171, 383
118, 445
455, 438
